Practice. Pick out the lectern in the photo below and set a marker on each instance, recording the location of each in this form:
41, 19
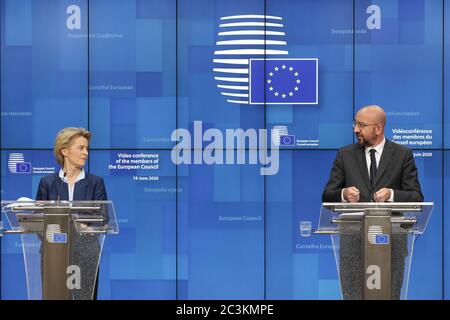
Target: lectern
62, 243
377, 224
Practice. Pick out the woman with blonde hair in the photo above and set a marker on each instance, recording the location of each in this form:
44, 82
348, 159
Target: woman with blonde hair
74, 184
71, 182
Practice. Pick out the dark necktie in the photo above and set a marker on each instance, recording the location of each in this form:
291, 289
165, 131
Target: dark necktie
373, 169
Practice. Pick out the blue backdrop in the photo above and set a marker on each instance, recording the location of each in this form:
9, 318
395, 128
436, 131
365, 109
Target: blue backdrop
132, 71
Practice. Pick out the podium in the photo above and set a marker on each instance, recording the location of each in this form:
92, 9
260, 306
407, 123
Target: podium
377, 225
62, 243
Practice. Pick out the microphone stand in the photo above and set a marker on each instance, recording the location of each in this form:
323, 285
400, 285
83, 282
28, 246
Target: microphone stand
60, 186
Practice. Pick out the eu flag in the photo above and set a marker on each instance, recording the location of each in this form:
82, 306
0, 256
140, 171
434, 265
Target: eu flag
60, 237
283, 81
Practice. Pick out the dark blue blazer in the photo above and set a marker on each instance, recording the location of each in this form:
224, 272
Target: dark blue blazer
90, 188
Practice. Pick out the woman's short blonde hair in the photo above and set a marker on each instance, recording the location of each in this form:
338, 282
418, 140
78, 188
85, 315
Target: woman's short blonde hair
65, 137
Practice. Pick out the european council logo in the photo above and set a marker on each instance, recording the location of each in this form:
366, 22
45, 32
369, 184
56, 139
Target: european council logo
17, 164
249, 68
376, 236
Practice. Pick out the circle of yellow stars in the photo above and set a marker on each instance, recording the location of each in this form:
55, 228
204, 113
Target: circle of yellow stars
277, 93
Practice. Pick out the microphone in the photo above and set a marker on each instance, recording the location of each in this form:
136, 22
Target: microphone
60, 185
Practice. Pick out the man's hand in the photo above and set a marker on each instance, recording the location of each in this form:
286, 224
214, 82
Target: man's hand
351, 194
382, 195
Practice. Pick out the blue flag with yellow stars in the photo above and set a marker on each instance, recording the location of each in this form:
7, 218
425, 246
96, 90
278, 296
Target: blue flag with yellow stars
283, 81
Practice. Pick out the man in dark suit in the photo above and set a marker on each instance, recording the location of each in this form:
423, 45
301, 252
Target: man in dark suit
374, 169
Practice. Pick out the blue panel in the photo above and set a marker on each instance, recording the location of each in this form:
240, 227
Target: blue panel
142, 289
155, 9
128, 61
149, 84
297, 264
100, 109
46, 71
447, 76
221, 234
318, 29
446, 218
198, 27
140, 262
149, 47
155, 130
113, 47
16, 96
18, 23
13, 278
399, 68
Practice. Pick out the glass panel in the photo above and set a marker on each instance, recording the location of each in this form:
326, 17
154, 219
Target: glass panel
62, 244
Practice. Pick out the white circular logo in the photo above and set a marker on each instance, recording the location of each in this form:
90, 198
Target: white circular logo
243, 37
14, 159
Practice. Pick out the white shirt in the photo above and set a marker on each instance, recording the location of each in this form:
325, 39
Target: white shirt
81, 176
378, 152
